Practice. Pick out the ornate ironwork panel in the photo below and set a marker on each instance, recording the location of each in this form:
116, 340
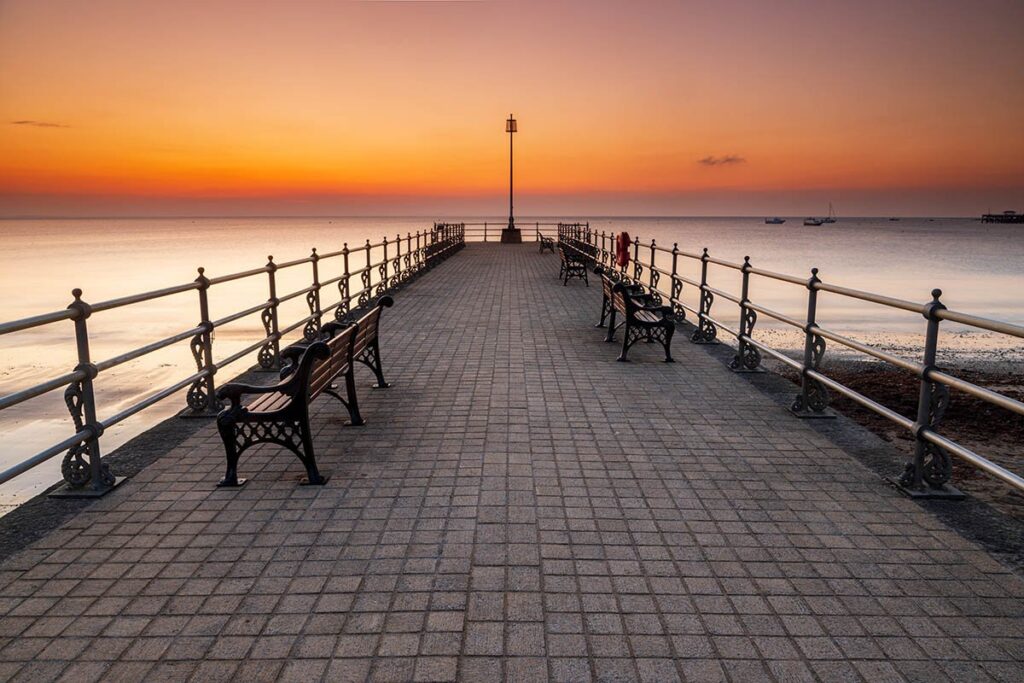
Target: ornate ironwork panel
76, 467
706, 331
312, 327
266, 354
197, 396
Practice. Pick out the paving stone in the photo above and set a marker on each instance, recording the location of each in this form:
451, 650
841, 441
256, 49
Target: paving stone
519, 506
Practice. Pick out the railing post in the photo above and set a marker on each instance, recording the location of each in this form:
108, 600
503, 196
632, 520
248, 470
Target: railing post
83, 469
270, 353
813, 399
653, 277
396, 263
201, 396
485, 231
747, 358
364, 280
929, 473
312, 328
677, 287
706, 330
419, 253
408, 256
341, 312
638, 268
382, 270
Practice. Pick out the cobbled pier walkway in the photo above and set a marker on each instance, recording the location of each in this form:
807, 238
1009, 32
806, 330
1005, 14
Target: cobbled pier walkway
519, 506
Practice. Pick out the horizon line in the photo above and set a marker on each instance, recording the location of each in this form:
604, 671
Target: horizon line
487, 218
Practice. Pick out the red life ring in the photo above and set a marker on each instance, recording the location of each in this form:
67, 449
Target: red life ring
622, 245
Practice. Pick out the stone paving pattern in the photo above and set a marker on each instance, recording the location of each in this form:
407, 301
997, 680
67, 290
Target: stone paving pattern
519, 507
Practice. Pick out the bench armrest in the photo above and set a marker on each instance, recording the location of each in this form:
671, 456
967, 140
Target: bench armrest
235, 390
289, 385
664, 310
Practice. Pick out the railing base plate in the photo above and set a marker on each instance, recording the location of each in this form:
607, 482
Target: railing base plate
945, 493
747, 371
511, 236
86, 491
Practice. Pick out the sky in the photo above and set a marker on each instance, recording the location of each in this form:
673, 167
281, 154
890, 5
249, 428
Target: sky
736, 107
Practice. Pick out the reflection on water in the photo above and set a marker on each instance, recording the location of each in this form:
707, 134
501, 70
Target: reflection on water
976, 265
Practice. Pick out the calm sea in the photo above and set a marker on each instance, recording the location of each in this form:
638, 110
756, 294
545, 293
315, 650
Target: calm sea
977, 266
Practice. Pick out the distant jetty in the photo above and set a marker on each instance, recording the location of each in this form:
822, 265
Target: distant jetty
1004, 217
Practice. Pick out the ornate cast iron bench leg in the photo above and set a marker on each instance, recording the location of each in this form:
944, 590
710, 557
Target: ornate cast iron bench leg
352, 402
227, 435
610, 337
371, 359
629, 337
313, 476
239, 434
606, 307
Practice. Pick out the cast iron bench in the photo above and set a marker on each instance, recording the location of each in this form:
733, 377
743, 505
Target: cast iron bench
643, 320
573, 266
547, 243
607, 283
365, 350
280, 413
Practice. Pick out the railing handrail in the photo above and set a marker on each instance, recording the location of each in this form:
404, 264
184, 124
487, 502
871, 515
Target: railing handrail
930, 464
421, 251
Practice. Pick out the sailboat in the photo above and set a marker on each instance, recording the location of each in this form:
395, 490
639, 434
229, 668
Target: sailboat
831, 215
775, 221
813, 221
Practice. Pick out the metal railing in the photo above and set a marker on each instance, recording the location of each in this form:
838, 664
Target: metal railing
490, 231
359, 280
929, 471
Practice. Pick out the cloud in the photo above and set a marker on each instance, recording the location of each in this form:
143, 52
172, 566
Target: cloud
726, 160
39, 124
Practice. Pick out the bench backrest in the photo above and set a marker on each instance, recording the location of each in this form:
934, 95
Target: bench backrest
619, 298
337, 363
570, 257
367, 333
606, 286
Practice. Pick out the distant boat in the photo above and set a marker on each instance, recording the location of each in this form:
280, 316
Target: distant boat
831, 215
813, 221
894, 219
775, 221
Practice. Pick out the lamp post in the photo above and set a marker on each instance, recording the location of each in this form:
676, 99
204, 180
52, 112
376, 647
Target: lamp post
511, 233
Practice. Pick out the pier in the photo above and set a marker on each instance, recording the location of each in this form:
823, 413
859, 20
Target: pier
518, 506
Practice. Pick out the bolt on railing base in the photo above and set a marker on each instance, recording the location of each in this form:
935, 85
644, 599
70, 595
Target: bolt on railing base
87, 491
826, 414
947, 492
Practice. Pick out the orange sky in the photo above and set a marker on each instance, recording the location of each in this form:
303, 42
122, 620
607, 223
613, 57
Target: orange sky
398, 107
